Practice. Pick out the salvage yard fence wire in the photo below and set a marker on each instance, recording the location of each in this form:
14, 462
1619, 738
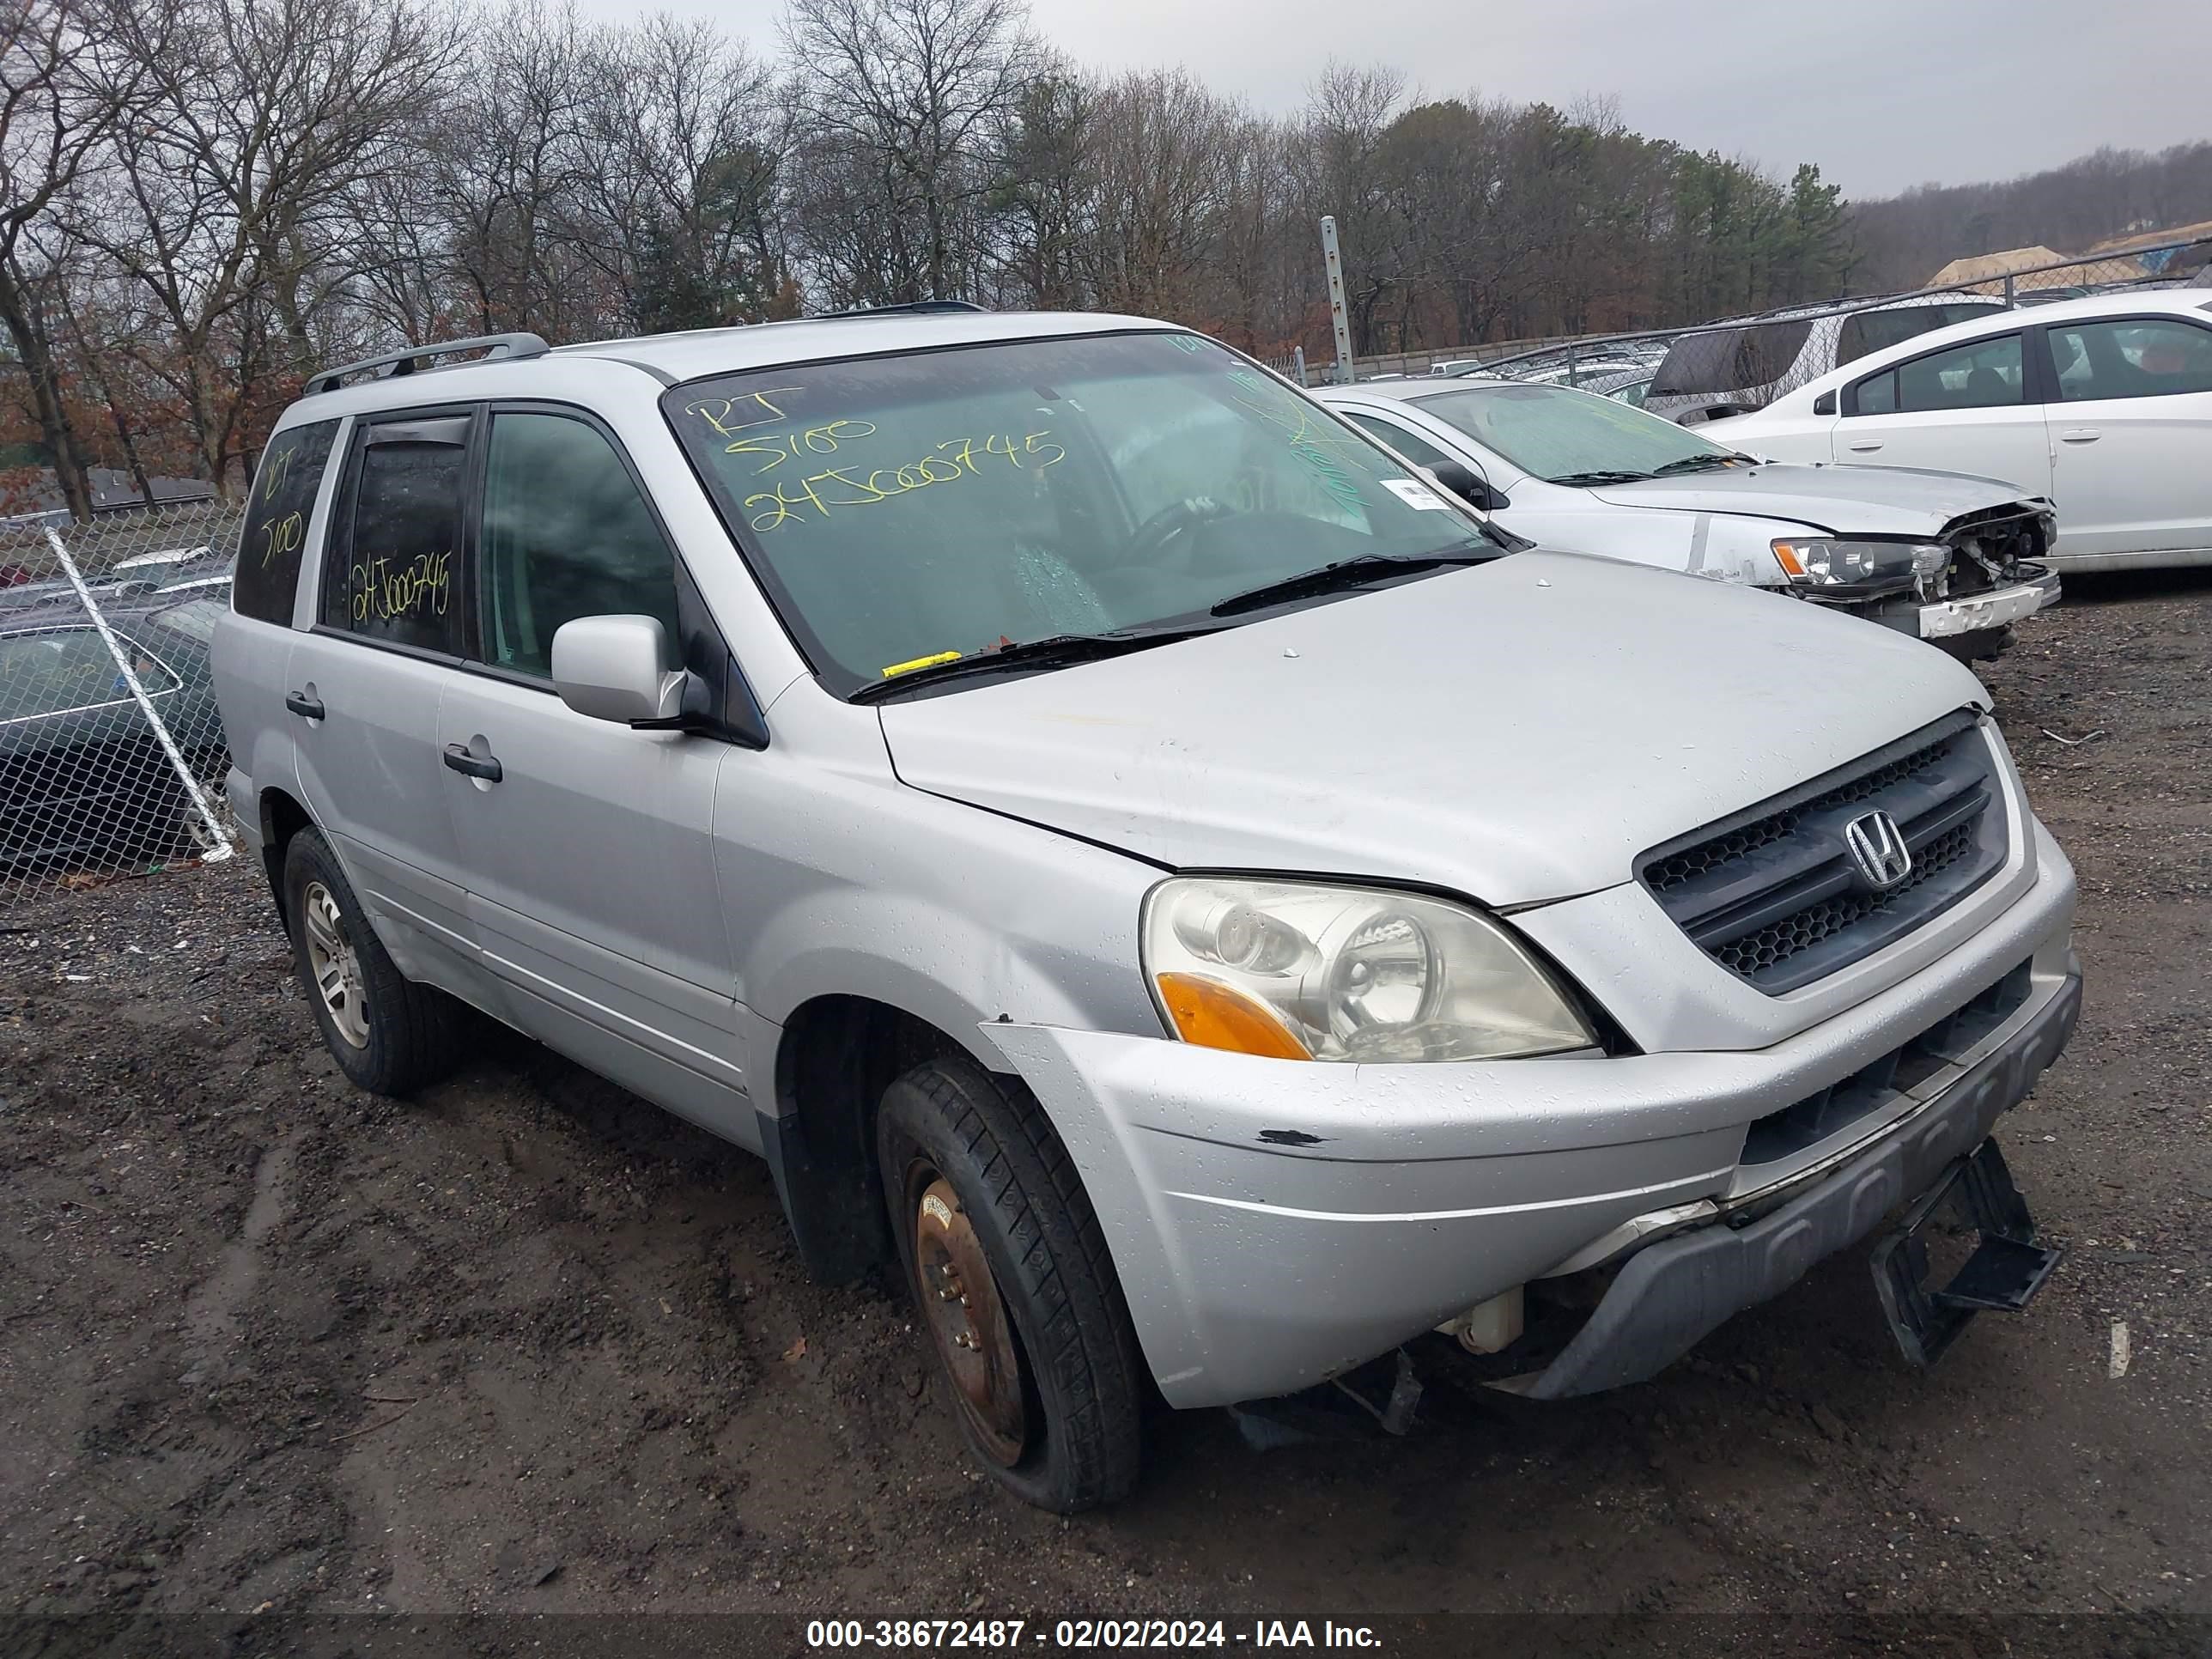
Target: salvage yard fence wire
1600, 360
111, 750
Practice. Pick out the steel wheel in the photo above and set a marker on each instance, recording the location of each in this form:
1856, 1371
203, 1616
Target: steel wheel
335, 965
960, 1302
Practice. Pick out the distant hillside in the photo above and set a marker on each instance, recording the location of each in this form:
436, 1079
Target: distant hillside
1903, 240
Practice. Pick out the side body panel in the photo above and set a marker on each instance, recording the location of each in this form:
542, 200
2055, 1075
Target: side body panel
369, 773
591, 890
2129, 474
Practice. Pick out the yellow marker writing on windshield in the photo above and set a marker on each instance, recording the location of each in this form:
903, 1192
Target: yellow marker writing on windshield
921, 662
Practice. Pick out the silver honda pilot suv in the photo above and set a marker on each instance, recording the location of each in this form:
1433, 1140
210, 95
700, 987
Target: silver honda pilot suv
1209, 913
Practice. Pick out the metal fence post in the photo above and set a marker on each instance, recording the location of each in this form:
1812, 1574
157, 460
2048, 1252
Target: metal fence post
219, 847
1339, 318
1299, 358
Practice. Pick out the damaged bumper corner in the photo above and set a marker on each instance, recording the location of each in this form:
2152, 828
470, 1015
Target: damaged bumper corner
1669, 1295
1999, 608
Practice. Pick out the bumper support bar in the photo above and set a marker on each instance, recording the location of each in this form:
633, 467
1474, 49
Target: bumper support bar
2006, 1270
1669, 1295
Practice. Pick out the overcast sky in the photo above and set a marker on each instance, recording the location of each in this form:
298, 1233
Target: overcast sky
1883, 94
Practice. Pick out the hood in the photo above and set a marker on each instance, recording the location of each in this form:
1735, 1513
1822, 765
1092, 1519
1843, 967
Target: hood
1517, 731
1844, 501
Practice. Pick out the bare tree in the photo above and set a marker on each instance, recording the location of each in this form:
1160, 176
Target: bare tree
898, 100
1162, 148
682, 212
56, 110
507, 156
251, 122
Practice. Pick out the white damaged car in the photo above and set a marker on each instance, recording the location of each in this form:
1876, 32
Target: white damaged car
1945, 557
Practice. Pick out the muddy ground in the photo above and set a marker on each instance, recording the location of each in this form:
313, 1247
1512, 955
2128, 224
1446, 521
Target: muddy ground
269, 1346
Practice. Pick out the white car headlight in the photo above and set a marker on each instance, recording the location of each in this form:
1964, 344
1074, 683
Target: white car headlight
1832, 561
1297, 971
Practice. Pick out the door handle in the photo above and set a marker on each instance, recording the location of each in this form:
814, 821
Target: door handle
1866, 446
473, 766
2080, 434
307, 708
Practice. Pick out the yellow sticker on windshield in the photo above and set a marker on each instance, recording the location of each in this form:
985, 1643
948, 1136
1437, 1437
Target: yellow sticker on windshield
898, 668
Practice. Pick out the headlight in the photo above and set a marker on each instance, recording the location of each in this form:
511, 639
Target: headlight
1305, 971
1826, 561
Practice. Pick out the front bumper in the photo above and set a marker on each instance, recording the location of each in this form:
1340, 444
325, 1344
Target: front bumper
1998, 608
1669, 1295
1274, 1223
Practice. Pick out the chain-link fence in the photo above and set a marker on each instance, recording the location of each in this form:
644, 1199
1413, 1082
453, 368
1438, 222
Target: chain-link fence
1756, 358
111, 751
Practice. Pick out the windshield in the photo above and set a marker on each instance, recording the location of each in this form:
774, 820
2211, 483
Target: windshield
1557, 434
903, 510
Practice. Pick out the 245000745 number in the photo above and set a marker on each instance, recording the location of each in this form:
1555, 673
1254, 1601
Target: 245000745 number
848, 486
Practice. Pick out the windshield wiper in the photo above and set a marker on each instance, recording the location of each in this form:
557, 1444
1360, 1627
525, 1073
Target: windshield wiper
1700, 464
1349, 574
1577, 480
1054, 651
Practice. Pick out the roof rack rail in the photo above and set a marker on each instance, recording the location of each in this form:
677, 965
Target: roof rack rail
909, 307
403, 361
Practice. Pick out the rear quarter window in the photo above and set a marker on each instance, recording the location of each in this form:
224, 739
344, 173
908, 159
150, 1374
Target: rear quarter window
278, 515
1731, 359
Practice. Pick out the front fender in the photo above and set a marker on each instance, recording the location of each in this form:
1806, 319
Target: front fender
1725, 546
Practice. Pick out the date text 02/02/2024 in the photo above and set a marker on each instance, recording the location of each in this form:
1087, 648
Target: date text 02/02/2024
1086, 1633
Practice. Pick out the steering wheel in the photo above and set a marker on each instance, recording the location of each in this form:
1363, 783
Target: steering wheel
1175, 519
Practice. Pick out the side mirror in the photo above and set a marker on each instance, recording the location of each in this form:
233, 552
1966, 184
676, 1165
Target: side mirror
610, 668
1468, 484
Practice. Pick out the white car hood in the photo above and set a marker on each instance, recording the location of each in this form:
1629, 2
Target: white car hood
1846, 501
1517, 731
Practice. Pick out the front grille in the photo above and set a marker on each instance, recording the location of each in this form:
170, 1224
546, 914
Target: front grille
1884, 1081
1772, 894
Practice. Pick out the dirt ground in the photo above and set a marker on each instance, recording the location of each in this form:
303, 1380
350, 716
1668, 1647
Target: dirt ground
269, 1346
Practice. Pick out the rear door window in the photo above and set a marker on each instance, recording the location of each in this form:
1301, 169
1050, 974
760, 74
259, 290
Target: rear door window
1980, 374
279, 514
394, 570
1871, 330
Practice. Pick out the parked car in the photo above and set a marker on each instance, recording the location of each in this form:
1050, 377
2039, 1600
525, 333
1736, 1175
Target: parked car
1949, 560
1203, 906
210, 577
83, 775
1626, 385
1714, 373
2104, 405
154, 564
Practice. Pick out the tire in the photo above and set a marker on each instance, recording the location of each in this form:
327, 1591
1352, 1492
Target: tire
1075, 1438
1980, 645
389, 1034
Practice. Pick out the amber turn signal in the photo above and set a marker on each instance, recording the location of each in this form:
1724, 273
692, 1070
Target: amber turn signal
1214, 1015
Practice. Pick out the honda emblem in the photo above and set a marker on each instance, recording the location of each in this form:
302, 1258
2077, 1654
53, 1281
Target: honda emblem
1877, 848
